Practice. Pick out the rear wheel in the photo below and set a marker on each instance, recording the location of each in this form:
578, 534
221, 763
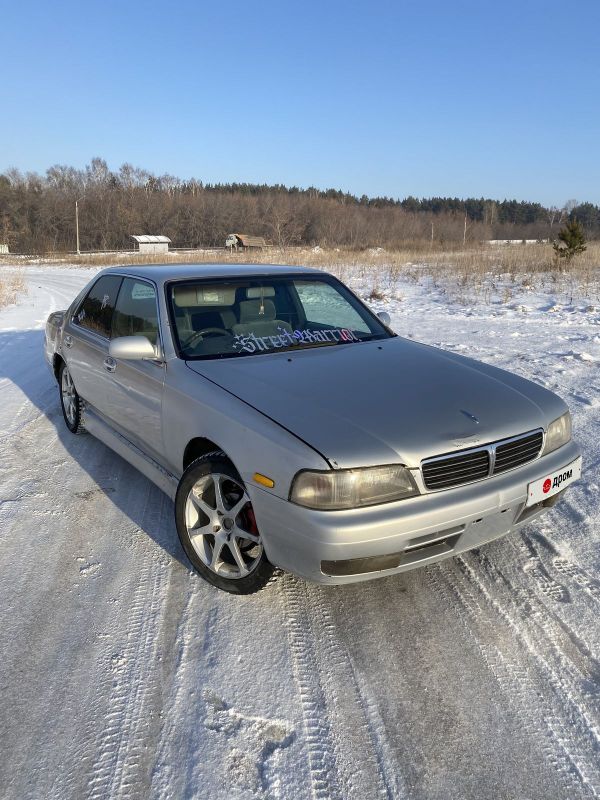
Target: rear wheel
217, 527
70, 402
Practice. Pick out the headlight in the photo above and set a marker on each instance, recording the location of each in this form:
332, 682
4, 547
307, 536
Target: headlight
558, 433
351, 488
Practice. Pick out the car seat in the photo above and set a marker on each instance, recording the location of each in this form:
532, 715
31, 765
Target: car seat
259, 317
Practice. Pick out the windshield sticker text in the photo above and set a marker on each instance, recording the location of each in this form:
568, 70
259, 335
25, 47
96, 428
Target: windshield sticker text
251, 343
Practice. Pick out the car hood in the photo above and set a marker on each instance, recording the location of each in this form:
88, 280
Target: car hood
385, 401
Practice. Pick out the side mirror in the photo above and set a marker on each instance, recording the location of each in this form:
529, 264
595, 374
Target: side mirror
131, 348
385, 318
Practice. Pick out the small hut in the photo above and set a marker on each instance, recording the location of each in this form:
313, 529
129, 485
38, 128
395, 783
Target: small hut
241, 241
148, 243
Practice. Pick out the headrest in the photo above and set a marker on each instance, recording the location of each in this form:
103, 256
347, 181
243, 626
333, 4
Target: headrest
250, 310
145, 307
207, 319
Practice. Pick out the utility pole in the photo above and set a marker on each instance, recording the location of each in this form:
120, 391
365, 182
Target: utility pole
465, 230
77, 223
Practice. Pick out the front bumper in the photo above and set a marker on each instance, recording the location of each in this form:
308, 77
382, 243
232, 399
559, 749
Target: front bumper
364, 543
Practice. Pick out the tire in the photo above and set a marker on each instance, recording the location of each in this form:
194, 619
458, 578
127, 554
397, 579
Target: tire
70, 402
217, 528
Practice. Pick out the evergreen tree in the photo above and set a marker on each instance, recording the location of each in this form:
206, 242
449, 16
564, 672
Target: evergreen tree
571, 241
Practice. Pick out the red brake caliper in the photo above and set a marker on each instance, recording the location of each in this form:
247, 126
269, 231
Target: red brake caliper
251, 520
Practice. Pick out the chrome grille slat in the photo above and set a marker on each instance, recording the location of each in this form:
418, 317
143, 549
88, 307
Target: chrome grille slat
507, 450
448, 484
467, 466
484, 468
524, 456
517, 441
480, 462
518, 451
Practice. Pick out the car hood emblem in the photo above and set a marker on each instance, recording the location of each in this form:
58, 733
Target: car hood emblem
470, 416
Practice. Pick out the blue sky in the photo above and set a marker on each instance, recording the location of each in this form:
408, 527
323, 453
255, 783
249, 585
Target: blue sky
460, 98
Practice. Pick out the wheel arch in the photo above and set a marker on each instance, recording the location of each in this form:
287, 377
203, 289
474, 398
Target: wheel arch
57, 361
197, 447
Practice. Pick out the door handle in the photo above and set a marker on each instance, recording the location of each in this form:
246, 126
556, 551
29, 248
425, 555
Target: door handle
68, 340
110, 364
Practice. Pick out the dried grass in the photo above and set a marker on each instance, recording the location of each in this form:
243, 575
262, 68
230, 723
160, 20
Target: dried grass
472, 273
10, 287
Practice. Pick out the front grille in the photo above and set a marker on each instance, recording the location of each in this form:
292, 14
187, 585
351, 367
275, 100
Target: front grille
456, 469
515, 453
466, 466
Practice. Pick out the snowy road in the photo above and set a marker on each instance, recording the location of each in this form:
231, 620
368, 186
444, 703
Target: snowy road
123, 675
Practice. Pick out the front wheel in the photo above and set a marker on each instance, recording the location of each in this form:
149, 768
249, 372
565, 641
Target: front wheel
217, 528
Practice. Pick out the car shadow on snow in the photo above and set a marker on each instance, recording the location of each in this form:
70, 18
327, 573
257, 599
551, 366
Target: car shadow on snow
22, 363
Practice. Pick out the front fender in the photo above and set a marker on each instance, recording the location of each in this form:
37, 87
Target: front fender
194, 407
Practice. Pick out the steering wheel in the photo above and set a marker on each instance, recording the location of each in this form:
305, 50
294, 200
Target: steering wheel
197, 336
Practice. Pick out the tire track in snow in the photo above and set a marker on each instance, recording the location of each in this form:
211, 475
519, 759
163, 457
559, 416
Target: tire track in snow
550, 698
566, 662
564, 566
342, 725
133, 681
569, 643
123, 681
325, 784
511, 674
164, 777
578, 576
117, 768
535, 568
377, 776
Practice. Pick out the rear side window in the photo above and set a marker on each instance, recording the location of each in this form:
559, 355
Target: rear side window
96, 311
136, 313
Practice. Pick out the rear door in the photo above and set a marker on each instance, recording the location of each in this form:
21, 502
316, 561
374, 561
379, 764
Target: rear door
137, 386
85, 343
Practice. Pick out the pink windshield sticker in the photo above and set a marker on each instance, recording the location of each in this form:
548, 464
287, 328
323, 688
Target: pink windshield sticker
251, 343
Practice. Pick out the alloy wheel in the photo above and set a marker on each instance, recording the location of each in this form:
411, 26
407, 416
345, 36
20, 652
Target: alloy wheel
221, 526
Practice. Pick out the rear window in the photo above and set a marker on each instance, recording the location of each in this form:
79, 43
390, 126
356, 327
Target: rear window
96, 311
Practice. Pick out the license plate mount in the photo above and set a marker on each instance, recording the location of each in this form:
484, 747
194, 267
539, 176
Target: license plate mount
556, 481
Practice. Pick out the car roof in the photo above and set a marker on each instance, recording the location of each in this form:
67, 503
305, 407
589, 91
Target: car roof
160, 273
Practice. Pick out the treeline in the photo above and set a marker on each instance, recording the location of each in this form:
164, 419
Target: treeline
37, 213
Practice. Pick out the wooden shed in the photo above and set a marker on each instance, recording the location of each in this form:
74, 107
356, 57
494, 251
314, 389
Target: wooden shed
149, 243
237, 241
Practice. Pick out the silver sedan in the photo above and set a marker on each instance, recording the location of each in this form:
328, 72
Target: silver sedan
294, 429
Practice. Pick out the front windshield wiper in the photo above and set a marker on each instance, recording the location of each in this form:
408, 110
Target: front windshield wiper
307, 346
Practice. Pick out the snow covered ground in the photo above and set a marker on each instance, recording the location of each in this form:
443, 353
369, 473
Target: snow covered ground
124, 675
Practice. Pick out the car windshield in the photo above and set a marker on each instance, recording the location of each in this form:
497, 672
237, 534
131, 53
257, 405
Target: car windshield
253, 316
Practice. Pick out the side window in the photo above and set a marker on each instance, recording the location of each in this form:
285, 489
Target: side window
136, 313
95, 313
323, 304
